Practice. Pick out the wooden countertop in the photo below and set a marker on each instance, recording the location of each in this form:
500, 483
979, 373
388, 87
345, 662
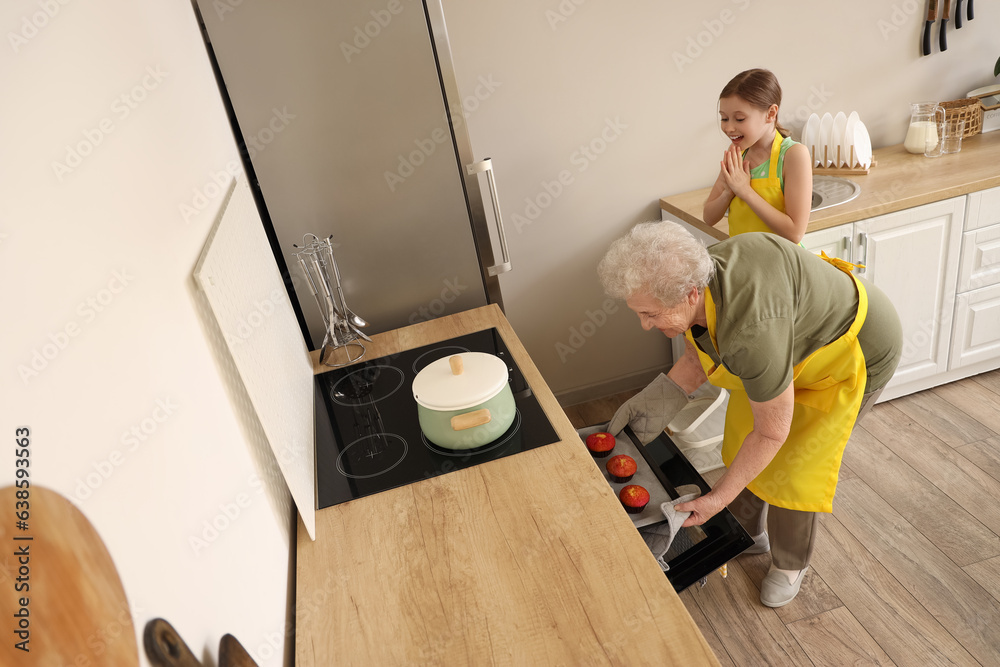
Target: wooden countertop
898, 181
529, 559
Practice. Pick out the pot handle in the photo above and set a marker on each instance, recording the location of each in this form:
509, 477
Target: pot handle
471, 419
456, 365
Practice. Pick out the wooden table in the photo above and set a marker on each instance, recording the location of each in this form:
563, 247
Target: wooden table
898, 181
528, 559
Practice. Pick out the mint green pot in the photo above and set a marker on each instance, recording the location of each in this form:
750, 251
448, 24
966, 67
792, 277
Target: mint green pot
464, 401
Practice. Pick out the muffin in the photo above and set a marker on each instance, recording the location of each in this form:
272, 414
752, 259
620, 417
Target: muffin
600, 444
634, 498
621, 468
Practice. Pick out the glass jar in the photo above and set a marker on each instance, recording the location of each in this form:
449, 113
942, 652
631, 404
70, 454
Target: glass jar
923, 129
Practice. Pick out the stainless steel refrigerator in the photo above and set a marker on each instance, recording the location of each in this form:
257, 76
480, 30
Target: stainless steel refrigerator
350, 124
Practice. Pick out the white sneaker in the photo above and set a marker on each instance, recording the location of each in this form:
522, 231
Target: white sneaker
761, 544
775, 591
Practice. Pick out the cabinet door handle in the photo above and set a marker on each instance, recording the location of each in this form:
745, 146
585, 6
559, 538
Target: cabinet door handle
845, 247
863, 260
487, 166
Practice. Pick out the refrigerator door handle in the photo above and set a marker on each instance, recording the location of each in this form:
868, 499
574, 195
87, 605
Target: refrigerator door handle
487, 166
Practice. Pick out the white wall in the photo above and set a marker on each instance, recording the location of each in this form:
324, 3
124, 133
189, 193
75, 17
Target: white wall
565, 67
103, 331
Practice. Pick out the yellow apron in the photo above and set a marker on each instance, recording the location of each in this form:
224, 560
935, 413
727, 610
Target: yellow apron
742, 219
829, 386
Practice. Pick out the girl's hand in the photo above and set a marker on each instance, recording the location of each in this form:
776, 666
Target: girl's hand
702, 509
736, 171
718, 200
722, 183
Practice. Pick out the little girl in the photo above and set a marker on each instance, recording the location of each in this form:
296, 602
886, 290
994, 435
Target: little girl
766, 178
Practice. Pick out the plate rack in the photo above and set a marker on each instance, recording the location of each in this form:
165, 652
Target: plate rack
838, 171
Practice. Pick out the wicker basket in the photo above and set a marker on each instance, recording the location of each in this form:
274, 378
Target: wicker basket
970, 110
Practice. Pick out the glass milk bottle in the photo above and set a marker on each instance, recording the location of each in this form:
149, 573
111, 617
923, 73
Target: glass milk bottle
923, 130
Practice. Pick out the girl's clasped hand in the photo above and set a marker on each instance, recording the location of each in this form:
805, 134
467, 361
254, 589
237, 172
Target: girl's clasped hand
736, 171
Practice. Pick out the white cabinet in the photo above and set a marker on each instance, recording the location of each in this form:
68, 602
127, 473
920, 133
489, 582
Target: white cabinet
976, 341
977, 327
835, 241
984, 209
913, 257
980, 265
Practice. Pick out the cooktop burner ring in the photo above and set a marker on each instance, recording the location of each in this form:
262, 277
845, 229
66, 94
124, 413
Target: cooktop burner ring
488, 447
437, 350
375, 394
393, 441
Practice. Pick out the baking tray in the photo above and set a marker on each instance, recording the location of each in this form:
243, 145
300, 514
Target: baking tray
715, 542
644, 476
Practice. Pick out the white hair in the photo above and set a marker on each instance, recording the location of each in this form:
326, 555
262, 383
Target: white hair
661, 259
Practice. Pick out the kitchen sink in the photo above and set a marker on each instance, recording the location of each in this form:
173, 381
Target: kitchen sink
832, 190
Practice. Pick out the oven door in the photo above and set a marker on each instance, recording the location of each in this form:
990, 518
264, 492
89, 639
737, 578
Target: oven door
696, 551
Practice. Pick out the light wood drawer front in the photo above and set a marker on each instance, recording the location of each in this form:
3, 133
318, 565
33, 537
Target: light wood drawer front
980, 265
984, 209
977, 327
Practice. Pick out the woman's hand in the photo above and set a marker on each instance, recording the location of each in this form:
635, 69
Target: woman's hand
702, 509
736, 171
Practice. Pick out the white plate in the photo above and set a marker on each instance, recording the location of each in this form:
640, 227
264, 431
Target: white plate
837, 139
810, 137
825, 133
862, 145
845, 149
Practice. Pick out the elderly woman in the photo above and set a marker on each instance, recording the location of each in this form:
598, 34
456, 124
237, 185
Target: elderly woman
803, 347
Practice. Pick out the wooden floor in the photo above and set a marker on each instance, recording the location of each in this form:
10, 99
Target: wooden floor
906, 571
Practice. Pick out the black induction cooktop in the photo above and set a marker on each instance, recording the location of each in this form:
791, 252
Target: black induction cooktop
368, 438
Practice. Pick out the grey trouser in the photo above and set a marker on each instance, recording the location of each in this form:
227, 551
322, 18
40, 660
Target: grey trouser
792, 533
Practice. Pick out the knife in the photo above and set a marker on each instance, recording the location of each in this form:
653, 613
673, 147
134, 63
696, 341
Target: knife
958, 14
931, 16
942, 34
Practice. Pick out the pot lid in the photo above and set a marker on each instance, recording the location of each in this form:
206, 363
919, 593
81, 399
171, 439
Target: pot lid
481, 377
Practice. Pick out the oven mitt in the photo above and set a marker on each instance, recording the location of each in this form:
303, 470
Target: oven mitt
649, 411
659, 537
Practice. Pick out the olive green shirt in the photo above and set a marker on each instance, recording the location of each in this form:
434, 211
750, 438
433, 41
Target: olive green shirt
777, 303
